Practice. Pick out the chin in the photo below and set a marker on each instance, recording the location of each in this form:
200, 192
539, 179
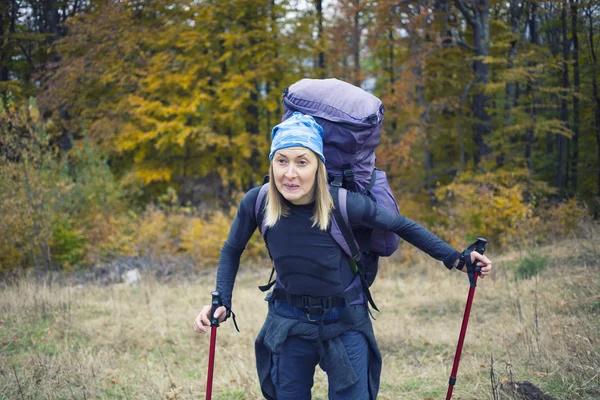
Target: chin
292, 197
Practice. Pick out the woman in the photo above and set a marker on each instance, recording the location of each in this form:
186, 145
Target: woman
316, 314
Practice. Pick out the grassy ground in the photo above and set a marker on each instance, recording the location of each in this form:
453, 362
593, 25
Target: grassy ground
136, 342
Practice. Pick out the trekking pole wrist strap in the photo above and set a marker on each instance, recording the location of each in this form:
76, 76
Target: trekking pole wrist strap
217, 302
461, 261
230, 313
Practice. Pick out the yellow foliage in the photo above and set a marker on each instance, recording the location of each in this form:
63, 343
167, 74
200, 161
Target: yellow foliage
200, 237
552, 222
494, 87
158, 233
491, 60
553, 126
489, 205
494, 205
203, 239
149, 173
109, 233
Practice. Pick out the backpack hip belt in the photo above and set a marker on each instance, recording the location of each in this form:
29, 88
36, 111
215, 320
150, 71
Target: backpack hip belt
316, 305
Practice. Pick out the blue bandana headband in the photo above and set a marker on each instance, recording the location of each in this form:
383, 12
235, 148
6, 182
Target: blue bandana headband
298, 131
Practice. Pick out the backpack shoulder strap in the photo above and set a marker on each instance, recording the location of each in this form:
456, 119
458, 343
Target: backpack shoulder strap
259, 213
341, 231
259, 209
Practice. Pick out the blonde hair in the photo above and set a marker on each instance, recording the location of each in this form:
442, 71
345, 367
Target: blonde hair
275, 207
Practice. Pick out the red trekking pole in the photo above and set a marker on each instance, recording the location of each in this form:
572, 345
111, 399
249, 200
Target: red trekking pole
214, 324
473, 272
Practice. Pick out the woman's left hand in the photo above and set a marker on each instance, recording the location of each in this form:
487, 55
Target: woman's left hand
482, 261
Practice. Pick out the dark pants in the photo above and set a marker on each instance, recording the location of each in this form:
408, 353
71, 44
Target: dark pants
294, 368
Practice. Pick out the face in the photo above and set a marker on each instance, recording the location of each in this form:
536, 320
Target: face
295, 171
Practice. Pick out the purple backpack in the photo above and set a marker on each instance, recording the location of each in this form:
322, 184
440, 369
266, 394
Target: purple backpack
351, 119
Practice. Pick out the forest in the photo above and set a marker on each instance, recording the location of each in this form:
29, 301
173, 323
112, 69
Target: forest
133, 127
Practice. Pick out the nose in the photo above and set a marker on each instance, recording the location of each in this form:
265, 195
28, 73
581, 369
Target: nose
290, 171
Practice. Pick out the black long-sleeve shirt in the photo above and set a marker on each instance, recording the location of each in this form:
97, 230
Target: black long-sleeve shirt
308, 261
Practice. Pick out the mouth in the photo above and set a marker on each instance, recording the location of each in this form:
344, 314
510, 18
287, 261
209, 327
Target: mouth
290, 186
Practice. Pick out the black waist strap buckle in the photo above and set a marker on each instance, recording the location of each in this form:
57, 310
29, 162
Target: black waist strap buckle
316, 306
323, 303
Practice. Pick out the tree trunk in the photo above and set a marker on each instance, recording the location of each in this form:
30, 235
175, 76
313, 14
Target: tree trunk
597, 129
511, 86
553, 32
553, 39
391, 71
275, 82
9, 12
576, 88
422, 105
596, 96
564, 107
252, 117
253, 112
51, 19
461, 142
4, 56
320, 40
477, 17
530, 133
357, 80
50, 23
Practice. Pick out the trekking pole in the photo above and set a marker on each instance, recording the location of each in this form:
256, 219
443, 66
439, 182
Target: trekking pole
473, 272
214, 324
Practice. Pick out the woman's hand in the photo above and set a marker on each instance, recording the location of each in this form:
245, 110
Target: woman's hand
479, 260
202, 321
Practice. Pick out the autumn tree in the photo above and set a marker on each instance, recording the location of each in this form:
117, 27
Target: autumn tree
184, 93
476, 14
28, 31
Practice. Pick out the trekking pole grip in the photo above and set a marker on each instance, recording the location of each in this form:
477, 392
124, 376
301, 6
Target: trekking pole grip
480, 248
480, 245
472, 268
216, 303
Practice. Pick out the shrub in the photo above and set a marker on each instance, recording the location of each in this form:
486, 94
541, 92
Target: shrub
529, 266
30, 187
173, 229
93, 184
556, 220
67, 244
490, 205
109, 234
503, 207
50, 201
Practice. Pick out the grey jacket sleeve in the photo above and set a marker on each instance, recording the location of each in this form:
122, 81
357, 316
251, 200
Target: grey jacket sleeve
363, 212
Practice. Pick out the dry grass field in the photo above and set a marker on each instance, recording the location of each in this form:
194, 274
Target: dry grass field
88, 342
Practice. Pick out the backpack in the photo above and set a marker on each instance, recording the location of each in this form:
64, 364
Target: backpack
352, 120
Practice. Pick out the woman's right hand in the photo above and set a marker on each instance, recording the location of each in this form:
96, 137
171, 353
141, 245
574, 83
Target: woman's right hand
202, 321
